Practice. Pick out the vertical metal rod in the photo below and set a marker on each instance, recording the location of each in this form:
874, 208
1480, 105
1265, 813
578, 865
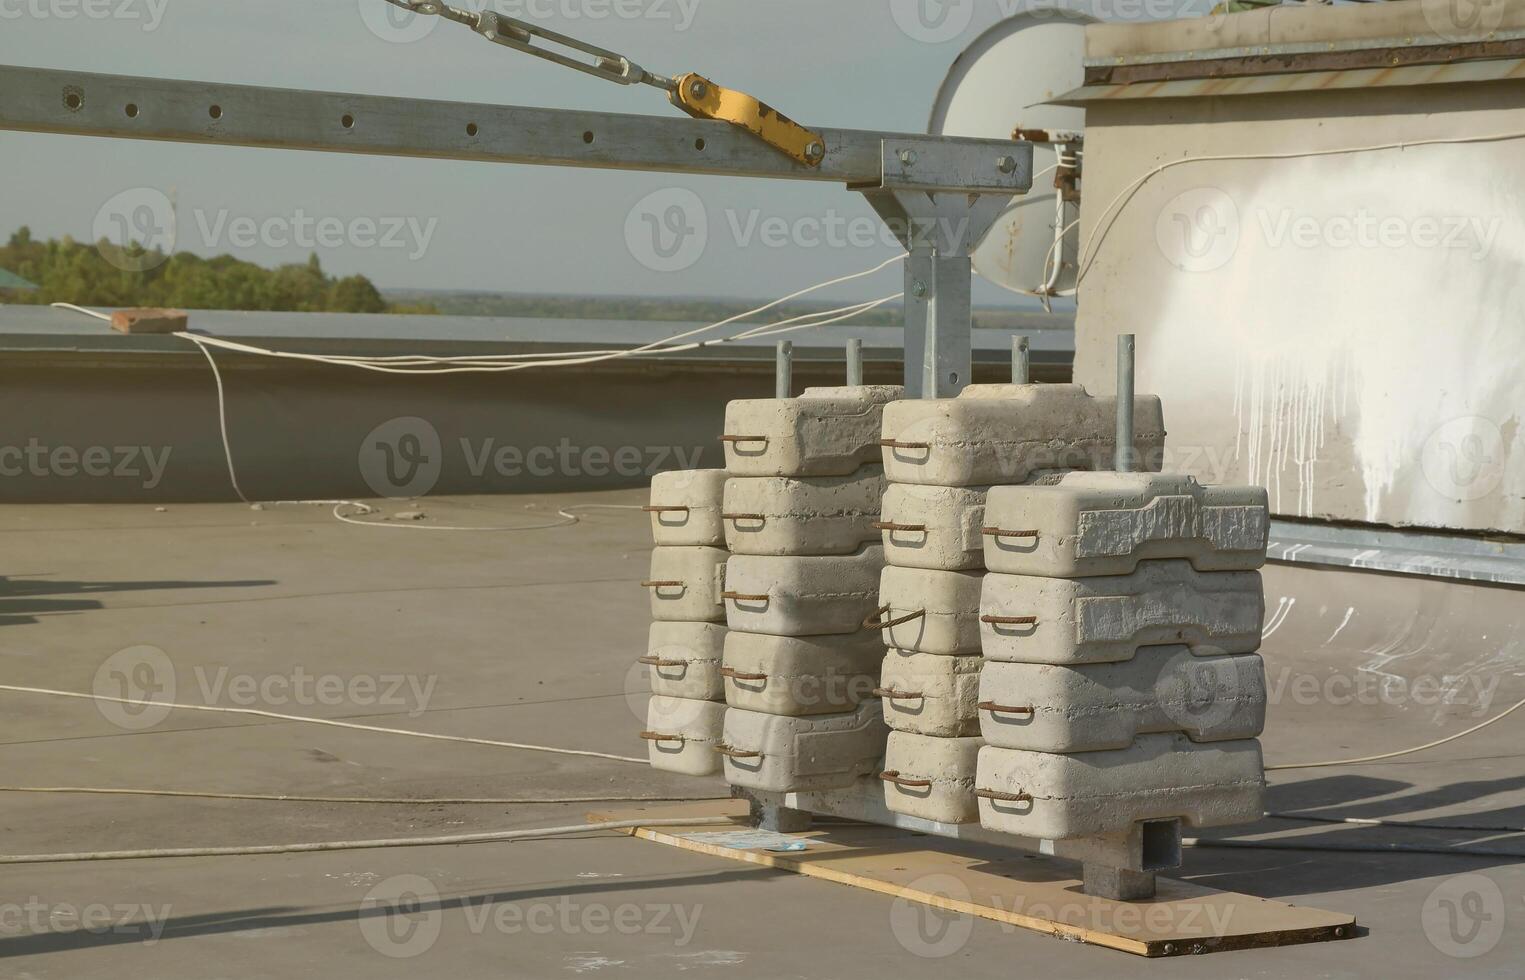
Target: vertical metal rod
1125, 386
1021, 360
784, 372
854, 362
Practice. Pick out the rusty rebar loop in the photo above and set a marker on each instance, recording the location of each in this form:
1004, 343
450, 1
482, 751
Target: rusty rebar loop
894, 695
892, 527
660, 737
1000, 797
1010, 620
734, 753
659, 662
1005, 709
874, 623
894, 776
666, 509
1001, 532
737, 675
745, 597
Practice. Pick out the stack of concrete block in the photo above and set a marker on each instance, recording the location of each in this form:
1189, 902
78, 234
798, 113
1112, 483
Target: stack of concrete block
942, 457
1120, 619
686, 713
799, 512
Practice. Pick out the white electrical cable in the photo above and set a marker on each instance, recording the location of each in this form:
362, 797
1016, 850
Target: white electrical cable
1393, 755
257, 713
198, 794
359, 845
1406, 824
1107, 218
81, 309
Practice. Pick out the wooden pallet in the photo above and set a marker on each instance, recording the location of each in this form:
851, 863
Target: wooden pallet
1037, 893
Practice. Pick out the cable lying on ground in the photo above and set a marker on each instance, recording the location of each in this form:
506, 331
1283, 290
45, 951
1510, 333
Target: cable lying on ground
386, 800
257, 713
356, 845
1402, 752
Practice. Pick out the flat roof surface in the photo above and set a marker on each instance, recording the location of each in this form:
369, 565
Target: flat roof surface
531, 636
46, 328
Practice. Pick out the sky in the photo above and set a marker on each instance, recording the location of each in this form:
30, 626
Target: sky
868, 64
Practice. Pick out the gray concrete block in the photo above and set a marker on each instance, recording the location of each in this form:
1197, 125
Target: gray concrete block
824, 432
1106, 523
685, 508
1090, 794
1004, 434
930, 611
801, 675
928, 694
934, 527
931, 778
1094, 707
686, 583
803, 596
684, 660
789, 755
682, 735
1027, 619
818, 515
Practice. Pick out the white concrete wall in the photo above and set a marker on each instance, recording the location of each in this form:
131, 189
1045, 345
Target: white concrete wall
1346, 330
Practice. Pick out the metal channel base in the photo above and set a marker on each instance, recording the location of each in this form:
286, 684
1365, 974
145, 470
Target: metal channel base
1121, 868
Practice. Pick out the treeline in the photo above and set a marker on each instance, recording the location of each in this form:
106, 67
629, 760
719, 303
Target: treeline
67, 271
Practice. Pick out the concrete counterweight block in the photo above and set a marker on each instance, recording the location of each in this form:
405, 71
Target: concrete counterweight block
1095, 707
800, 675
798, 755
934, 527
803, 596
1092, 524
1027, 619
686, 583
821, 515
928, 694
684, 660
931, 778
682, 735
685, 508
824, 432
1092, 794
930, 611
1006, 434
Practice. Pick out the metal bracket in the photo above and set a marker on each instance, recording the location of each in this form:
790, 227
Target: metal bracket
703, 99
934, 163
